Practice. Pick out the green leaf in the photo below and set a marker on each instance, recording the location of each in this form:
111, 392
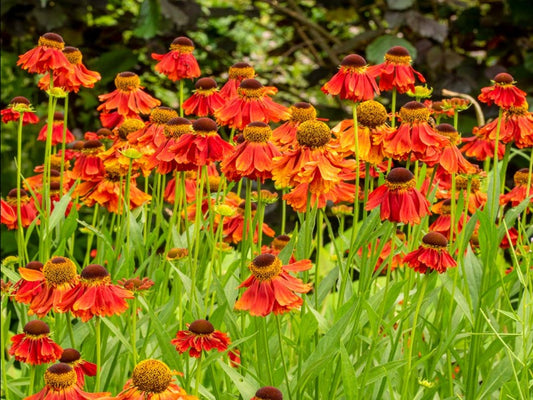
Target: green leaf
59, 211
148, 22
375, 51
245, 384
349, 376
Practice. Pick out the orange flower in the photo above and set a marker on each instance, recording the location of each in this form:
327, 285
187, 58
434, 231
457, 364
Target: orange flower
202, 147
128, 99
372, 130
152, 135
396, 71
284, 136
520, 191
28, 211
57, 277
206, 99
95, 295
399, 199
57, 131
164, 156
15, 107
415, 136
109, 191
60, 382
237, 73
252, 158
34, 347
46, 56
82, 368
78, 75
384, 255
516, 125
476, 199
451, 159
23, 290
354, 81
201, 335
268, 393
503, 92
431, 255
271, 288
88, 166
443, 223
479, 147
233, 226
250, 105
178, 63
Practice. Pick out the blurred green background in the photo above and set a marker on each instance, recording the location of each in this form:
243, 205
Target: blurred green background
294, 45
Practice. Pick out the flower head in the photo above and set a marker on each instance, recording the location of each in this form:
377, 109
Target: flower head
399, 199
237, 73
200, 335
128, 99
253, 157
520, 191
60, 382
396, 72
57, 131
28, 210
179, 62
503, 92
268, 393
451, 160
354, 81
95, 295
206, 99
136, 284
431, 255
251, 104
78, 75
82, 368
34, 346
271, 288
16, 106
46, 56
23, 290
284, 136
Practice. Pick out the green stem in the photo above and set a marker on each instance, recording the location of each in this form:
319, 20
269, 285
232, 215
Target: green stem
393, 109
267, 350
20, 232
317, 259
285, 369
495, 199
70, 331
90, 235
32, 379
97, 329
260, 215
63, 144
198, 375
181, 97
134, 331
284, 211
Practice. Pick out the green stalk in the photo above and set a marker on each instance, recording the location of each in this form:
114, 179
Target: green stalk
20, 232
260, 216
284, 211
127, 207
318, 247
181, 97
285, 369
63, 144
69, 329
198, 375
393, 109
32, 379
97, 329
90, 235
134, 330
197, 230
267, 350
495, 200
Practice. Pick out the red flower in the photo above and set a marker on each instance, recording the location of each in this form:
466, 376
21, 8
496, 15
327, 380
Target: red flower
396, 72
237, 73
61, 384
354, 81
251, 104
95, 295
206, 99
46, 56
34, 347
516, 125
233, 226
201, 335
268, 393
443, 223
164, 156
476, 199
152, 135
252, 158
271, 288
479, 147
451, 159
28, 211
415, 135
128, 99
431, 255
202, 147
57, 131
23, 290
88, 166
57, 277
178, 63
152, 380
16, 106
82, 368
234, 358
78, 75
399, 199
284, 136
520, 191
503, 93
109, 190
